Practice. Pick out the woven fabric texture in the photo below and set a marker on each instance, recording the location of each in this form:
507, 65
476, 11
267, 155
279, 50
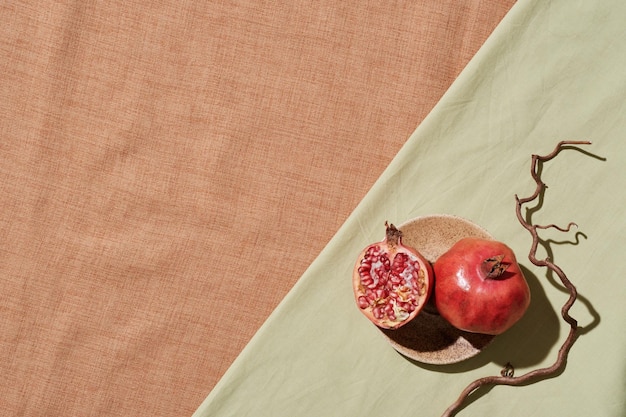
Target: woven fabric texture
168, 173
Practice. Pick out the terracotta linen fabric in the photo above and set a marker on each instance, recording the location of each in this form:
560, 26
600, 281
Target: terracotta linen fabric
168, 171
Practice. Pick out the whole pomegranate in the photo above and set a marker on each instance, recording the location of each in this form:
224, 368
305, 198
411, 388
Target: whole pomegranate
479, 286
391, 282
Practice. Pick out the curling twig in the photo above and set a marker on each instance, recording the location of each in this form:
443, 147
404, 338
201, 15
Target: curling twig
506, 377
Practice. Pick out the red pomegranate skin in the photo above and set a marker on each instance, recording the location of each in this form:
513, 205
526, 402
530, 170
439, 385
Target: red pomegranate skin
472, 290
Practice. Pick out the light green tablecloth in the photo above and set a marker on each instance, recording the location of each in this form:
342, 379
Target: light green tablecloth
551, 71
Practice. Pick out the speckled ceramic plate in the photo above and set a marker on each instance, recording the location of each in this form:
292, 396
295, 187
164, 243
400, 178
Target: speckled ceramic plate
429, 338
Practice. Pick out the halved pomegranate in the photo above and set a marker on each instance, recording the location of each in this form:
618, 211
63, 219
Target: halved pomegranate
391, 282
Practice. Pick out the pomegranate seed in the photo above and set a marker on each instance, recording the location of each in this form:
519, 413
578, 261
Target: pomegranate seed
367, 280
396, 279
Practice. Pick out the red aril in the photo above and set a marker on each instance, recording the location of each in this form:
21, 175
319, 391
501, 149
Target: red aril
391, 282
479, 287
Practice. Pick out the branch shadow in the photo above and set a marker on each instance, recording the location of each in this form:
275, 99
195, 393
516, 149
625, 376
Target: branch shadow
583, 151
547, 244
541, 197
556, 283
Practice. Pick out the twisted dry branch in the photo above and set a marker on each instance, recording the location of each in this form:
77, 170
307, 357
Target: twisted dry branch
507, 377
